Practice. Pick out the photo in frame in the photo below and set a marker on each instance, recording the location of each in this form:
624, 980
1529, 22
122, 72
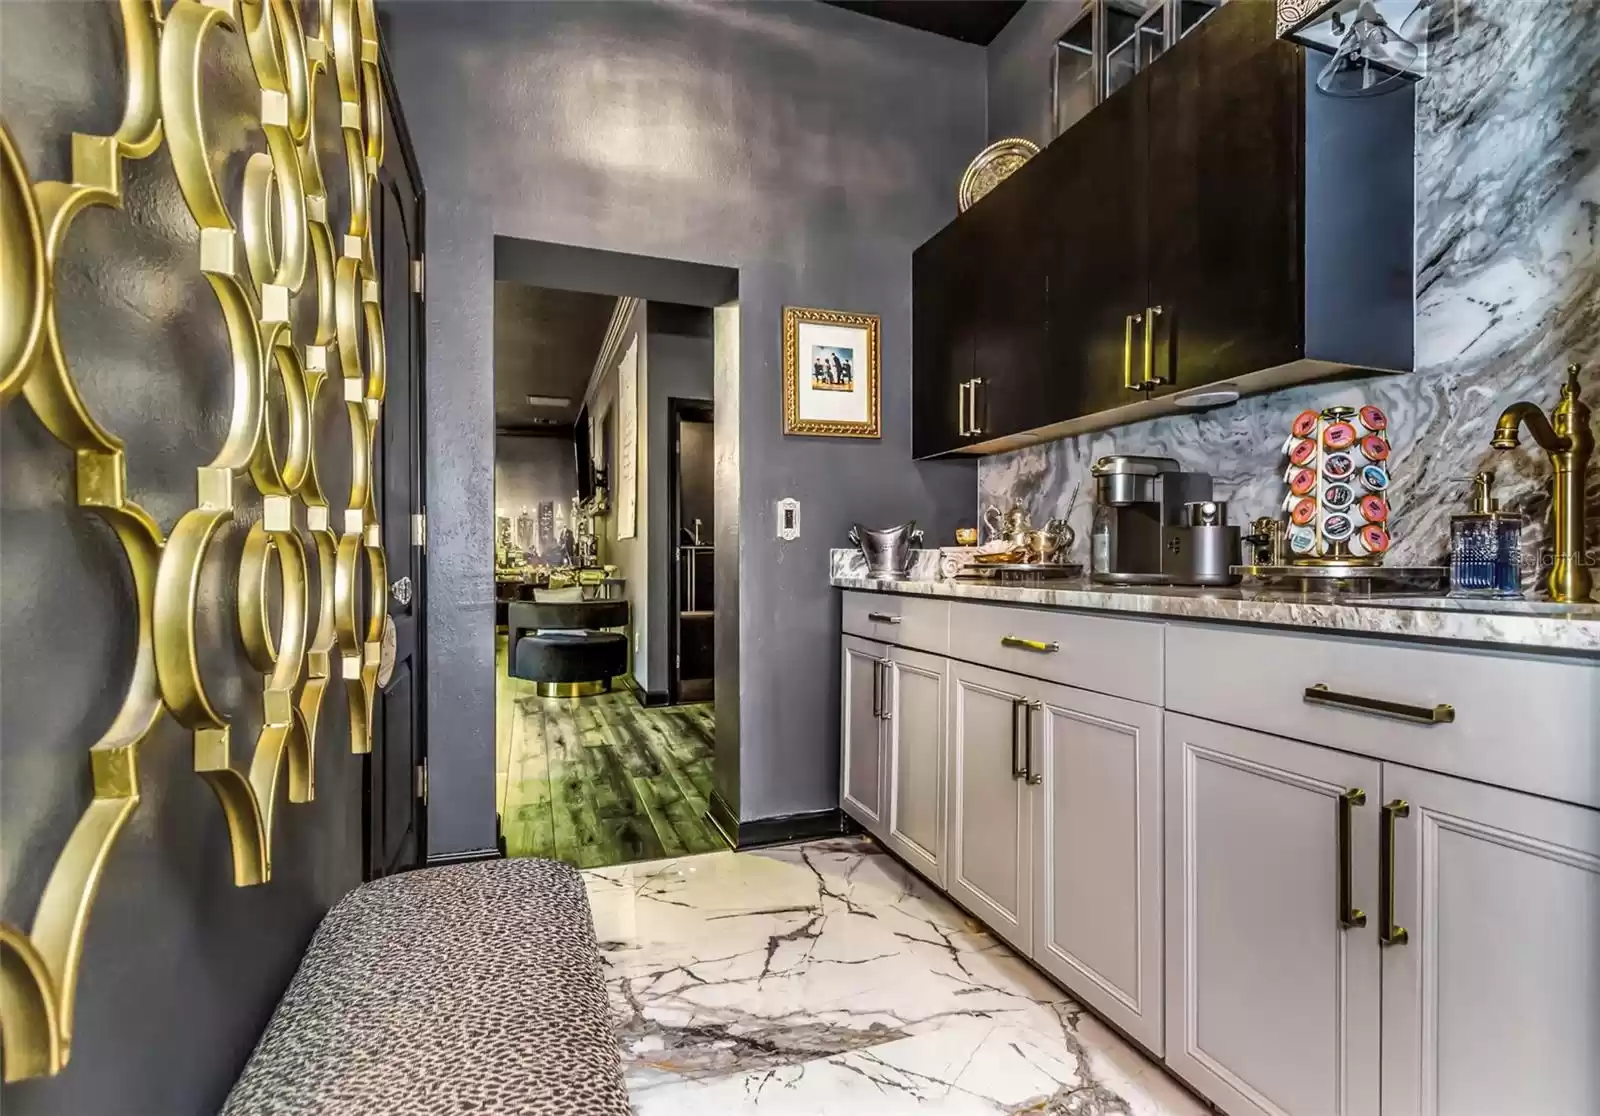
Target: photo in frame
830, 374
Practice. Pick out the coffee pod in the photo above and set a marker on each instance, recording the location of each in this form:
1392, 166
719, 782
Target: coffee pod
1302, 451
1373, 418
1338, 436
1337, 527
1304, 511
1371, 539
1375, 447
1302, 540
1338, 466
1374, 508
1338, 497
1374, 478
1305, 424
1302, 481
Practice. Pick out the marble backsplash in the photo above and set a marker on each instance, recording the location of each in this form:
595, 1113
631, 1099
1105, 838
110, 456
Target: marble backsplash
1507, 288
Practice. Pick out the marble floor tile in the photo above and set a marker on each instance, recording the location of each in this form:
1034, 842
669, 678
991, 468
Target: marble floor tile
825, 976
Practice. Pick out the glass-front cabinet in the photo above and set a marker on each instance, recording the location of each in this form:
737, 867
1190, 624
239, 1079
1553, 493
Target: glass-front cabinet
1109, 41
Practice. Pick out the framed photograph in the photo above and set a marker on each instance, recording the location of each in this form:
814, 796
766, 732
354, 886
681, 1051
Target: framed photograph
830, 374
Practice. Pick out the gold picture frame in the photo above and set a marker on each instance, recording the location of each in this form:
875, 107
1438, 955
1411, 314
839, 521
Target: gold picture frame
831, 398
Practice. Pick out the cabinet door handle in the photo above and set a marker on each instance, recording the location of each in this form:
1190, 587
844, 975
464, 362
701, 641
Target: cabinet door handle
961, 407
883, 618
877, 688
1319, 694
888, 688
1031, 777
973, 421
1389, 933
1018, 771
1350, 916
1038, 645
1151, 313
1127, 351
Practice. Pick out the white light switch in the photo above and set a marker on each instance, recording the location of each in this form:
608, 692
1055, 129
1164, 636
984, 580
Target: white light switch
788, 519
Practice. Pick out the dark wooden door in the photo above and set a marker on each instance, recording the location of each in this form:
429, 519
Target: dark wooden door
1004, 284
1225, 154
942, 312
396, 781
1098, 232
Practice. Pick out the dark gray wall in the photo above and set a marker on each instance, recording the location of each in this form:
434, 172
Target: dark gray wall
1019, 70
680, 368
181, 968
808, 147
631, 556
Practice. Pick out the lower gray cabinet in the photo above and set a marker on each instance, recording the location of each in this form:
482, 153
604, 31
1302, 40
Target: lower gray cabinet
914, 711
1097, 841
1491, 1002
990, 847
861, 766
1273, 982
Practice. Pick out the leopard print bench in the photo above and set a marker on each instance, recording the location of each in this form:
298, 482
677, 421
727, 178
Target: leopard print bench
473, 988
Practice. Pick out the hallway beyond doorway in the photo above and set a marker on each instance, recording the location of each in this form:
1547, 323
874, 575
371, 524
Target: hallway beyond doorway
600, 780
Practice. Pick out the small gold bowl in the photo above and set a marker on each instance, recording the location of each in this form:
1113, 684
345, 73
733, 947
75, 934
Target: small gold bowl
966, 536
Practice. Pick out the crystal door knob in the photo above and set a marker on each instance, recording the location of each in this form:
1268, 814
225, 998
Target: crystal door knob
401, 591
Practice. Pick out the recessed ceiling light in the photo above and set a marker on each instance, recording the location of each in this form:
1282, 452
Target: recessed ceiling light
549, 401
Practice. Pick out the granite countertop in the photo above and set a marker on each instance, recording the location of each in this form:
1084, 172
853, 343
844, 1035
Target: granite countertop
1533, 625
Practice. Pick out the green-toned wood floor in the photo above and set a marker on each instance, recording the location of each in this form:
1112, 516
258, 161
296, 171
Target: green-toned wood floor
600, 780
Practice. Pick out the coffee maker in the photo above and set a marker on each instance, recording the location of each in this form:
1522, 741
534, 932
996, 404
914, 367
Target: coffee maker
1155, 524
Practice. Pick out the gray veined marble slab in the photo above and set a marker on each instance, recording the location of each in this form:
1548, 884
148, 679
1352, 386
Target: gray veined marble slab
826, 978
1529, 625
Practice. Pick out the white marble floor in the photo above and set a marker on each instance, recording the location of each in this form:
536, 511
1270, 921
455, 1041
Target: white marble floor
825, 977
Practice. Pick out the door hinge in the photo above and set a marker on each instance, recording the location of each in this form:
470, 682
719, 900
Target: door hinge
422, 781
416, 276
419, 530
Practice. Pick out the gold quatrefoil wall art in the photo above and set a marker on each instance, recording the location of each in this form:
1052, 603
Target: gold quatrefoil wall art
260, 252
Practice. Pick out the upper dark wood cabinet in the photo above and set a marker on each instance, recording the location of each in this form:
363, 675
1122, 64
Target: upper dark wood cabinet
1215, 225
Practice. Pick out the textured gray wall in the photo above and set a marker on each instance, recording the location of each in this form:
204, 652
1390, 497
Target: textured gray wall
181, 968
808, 147
680, 368
631, 556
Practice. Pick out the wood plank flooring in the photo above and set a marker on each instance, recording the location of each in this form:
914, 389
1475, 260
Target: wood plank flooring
600, 780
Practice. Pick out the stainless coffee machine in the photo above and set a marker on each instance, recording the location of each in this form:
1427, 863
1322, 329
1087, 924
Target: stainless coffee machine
1155, 524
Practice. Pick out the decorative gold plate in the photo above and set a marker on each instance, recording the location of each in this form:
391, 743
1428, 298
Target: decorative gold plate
993, 166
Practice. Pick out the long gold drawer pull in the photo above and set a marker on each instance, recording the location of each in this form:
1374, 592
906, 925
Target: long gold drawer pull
882, 618
1319, 694
1127, 350
1389, 933
1030, 644
1350, 915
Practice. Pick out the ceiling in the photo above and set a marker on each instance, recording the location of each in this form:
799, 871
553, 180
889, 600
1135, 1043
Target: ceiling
971, 21
545, 343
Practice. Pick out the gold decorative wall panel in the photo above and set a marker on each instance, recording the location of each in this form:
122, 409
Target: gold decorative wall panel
259, 252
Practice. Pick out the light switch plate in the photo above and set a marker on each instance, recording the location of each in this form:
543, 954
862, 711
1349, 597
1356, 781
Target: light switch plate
788, 519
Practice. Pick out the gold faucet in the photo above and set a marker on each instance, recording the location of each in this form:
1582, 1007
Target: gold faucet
1566, 437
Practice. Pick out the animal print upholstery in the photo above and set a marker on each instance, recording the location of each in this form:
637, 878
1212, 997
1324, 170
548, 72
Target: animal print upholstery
473, 988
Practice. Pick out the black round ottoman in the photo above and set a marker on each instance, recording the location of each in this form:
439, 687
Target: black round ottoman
570, 664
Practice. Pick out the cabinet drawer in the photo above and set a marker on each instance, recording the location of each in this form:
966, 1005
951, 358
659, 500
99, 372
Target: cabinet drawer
918, 622
1112, 656
1520, 721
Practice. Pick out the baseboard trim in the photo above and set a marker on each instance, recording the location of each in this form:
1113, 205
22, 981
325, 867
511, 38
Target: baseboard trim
651, 698
464, 856
780, 830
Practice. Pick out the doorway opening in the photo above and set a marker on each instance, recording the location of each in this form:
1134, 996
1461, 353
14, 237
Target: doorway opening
605, 561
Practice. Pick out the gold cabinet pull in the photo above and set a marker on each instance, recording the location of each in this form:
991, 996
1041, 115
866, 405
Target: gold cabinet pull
961, 407
883, 618
1319, 694
1030, 776
1150, 315
1018, 771
1389, 933
1350, 916
1127, 350
1038, 645
974, 428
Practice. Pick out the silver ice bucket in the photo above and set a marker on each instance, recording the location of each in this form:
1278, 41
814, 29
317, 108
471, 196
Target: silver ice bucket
887, 551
